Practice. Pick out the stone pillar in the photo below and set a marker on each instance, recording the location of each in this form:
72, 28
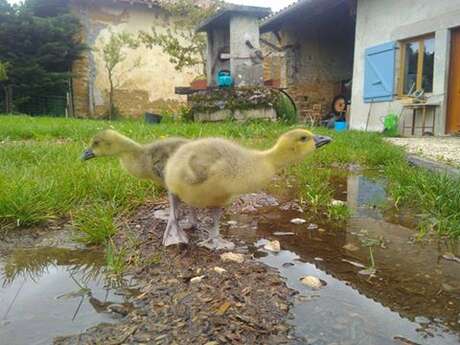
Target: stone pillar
218, 42
246, 66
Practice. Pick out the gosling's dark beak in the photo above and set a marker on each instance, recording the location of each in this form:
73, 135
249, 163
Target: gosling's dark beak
87, 154
321, 140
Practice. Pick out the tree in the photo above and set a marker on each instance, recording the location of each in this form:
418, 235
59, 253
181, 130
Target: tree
38, 41
183, 44
113, 53
3, 71
6, 88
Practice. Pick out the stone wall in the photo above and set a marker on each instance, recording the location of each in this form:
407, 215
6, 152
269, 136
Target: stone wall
147, 87
243, 103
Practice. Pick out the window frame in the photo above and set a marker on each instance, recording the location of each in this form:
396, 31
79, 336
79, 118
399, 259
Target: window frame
420, 58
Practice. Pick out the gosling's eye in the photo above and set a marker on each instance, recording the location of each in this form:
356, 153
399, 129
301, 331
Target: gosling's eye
304, 138
96, 143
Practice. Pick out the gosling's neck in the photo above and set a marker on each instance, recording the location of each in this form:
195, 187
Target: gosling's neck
129, 149
278, 157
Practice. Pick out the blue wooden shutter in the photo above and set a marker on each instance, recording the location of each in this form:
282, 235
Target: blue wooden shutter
379, 73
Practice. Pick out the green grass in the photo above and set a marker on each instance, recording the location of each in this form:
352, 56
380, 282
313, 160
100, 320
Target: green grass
42, 178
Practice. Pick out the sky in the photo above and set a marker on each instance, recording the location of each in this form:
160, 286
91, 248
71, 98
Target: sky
274, 4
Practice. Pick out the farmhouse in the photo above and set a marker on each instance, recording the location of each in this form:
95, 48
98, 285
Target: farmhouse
146, 79
400, 57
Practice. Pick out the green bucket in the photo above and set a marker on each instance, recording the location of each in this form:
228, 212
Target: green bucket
391, 125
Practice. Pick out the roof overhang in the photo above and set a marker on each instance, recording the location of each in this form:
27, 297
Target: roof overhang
222, 17
301, 9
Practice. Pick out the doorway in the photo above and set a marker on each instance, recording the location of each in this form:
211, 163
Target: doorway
453, 103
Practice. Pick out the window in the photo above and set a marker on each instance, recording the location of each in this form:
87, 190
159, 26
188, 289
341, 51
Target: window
417, 61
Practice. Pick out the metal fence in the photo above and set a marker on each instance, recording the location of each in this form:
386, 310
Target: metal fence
49, 105
44, 105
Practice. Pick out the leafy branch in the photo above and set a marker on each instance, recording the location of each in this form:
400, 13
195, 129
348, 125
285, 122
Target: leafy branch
114, 53
182, 43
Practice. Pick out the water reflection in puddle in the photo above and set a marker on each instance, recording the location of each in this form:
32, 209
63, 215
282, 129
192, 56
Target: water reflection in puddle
414, 297
47, 292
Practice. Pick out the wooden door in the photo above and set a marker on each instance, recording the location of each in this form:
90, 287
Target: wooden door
453, 105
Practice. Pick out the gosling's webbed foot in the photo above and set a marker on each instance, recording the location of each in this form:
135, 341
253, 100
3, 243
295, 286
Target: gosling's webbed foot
217, 243
174, 235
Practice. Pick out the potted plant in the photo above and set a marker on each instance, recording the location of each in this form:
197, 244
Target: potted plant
199, 83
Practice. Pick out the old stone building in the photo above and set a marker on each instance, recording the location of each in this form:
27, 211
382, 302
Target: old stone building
146, 79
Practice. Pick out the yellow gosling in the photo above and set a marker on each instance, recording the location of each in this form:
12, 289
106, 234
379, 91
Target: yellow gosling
142, 161
210, 173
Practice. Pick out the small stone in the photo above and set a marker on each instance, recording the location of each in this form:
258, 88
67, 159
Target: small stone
368, 271
288, 264
232, 223
337, 202
239, 258
118, 309
298, 221
350, 247
281, 233
356, 264
312, 227
321, 230
219, 270
162, 214
451, 257
212, 343
318, 259
195, 280
312, 282
273, 246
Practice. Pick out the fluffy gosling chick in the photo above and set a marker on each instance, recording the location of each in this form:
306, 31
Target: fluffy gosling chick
142, 161
210, 173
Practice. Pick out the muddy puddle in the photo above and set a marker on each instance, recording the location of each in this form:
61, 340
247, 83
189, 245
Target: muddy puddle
411, 297
50, 291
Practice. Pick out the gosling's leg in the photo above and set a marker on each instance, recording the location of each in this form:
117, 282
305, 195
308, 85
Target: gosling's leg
215, 241
194, 217
190, 220
173, 233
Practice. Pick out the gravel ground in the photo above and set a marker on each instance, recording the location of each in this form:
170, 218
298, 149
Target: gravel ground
443, 149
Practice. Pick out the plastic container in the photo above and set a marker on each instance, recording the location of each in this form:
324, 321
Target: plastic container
340, 126
391, 125
224, 79
152, 118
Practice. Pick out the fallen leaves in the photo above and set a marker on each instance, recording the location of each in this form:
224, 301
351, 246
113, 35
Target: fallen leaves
223, 308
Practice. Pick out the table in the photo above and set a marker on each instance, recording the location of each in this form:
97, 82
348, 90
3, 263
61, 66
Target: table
423, 107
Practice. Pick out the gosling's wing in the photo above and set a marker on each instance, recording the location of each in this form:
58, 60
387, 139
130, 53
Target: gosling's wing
211, 159
201, 164
161, 151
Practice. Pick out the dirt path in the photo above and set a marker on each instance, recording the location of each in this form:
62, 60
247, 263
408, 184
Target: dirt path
246, 304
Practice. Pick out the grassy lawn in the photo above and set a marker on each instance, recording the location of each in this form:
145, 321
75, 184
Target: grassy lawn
42, 178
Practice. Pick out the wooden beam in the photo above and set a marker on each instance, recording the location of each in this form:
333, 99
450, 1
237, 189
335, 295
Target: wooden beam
421, 54
402, 68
